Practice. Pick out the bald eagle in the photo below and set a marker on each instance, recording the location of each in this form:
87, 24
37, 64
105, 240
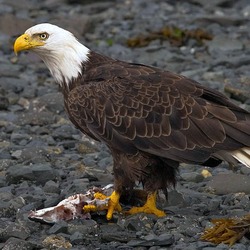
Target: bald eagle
150, 119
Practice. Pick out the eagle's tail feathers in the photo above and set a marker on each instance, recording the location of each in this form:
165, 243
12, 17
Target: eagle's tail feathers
242, 155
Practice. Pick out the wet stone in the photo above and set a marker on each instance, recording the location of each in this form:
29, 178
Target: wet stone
78, 185
114, 233
64, 132
84, 226
103, 163
139, 222
229, 183
52, 200
192, 177
175, 198
32, 154
15, 230
153, 240
245, 171
59, 227
2, 181
90, 160
56, 242
18, 137
52, 101
12, 85
223, 43
77, 238
39, 173
19, 244
6, 210
51, 187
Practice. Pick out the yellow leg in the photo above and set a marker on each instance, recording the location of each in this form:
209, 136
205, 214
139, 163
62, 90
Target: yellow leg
113, 204
149, 207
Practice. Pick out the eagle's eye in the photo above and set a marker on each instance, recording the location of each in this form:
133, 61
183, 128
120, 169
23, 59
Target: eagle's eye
43, 36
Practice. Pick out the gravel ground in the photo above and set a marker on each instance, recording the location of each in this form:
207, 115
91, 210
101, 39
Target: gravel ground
44, 159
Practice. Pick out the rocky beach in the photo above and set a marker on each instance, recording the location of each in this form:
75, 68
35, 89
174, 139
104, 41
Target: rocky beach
44, 159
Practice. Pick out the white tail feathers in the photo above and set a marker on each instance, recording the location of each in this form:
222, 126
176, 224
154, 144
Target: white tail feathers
242, 155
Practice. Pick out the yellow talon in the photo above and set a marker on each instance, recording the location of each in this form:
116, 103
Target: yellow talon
149, 207
100, 196
112, 206
89, 208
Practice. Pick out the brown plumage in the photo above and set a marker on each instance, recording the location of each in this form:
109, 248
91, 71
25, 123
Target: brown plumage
153, 119
150, 119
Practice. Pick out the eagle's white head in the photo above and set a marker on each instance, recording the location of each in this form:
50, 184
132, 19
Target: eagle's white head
58, 48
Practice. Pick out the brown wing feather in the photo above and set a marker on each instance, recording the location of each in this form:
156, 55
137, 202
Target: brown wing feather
134, 107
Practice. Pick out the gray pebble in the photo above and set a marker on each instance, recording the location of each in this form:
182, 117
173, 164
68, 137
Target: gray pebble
39, 173
192, 177
51, 187
59, 227
19, 244
15, 230
77, 238
229, 183
84, 227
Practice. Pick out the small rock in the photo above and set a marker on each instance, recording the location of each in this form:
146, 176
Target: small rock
229, 183
59, 227
205, 173
24, 103
224, 43
78, 185
15, 230
6, 210
12, 85
56, 242
192, 177
245, 171
214, 76
64, 132
35, 117
6, 193
82, 226
31, 154
86, 148
103, 163
164, 239
77, 238
140, 222
51, 187
2, 180
109, 235
52, 200
51, 101
16, 154
175, 198
39, 173
19, 244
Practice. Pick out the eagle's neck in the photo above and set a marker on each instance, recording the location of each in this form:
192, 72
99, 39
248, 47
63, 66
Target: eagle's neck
65, 63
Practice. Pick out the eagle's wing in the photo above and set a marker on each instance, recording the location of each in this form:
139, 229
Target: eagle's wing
133, 107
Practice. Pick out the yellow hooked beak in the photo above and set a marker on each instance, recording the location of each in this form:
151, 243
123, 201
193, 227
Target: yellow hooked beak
26, 42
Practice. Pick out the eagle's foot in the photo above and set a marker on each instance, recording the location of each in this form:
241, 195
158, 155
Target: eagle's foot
89, 208
113, 204
149, 207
